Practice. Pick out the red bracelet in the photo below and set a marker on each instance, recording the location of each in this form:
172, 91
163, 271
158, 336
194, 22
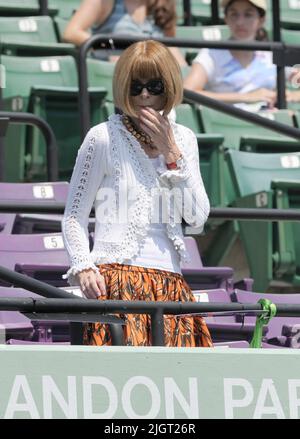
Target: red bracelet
173, 165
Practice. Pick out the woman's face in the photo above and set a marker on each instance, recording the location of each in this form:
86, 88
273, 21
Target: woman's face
243, 20
147, 93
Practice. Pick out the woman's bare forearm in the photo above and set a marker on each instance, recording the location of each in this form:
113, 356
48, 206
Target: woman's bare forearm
230, 98
77, 38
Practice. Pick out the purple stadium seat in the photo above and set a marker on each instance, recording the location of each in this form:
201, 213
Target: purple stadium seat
40, 256
224, 328
34, 193
282, 330
19, 326
217, 295
7, 222
200, 277
15, 324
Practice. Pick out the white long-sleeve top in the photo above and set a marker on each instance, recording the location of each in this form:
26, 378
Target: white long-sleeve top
157, 250
113, 172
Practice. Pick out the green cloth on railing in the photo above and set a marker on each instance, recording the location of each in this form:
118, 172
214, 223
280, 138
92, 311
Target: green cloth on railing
262, 320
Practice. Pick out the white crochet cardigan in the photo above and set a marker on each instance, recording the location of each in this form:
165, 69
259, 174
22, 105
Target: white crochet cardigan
111, 160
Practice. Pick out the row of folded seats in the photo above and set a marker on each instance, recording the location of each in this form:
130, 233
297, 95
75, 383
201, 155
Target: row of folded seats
201, 13
56, 8
200, 10
43, 35
43, 257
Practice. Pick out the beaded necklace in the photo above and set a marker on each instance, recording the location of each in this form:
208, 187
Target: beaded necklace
139, 135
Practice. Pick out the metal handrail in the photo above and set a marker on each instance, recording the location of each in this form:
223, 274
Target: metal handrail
215, 212
51, 144
239, 113
52, 293
155, 309
34, 285
135, 306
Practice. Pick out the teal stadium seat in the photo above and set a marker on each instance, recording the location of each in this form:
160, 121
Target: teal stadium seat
179, 12
22, 8
214, 33
290, 14
272, 249
275, 142
290, 36
101, 72
31, 36
245, 136
60, 26
65, 8
238, 132
47, 87
201, 12
210, 152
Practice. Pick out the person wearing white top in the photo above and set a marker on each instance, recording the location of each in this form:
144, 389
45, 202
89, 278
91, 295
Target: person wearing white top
238, 76
141, 171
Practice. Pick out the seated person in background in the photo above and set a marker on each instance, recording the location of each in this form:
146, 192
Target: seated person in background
238, 76
145, 18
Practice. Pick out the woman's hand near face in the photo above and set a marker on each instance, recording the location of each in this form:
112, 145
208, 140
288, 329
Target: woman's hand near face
92, 283
159, 129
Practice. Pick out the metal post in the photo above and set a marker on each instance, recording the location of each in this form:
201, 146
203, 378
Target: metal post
187, 13
276, 20
51, 145
2, 79
117, 336
3, 127
83, 95
76, 333
2, 158
281, 98
215, 19
44, 7
157, 327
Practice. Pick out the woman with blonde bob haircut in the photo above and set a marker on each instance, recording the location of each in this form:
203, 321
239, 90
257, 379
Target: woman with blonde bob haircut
145, 60
141, 171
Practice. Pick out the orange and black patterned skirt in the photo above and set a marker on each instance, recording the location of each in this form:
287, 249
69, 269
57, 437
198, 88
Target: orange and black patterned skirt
127, 282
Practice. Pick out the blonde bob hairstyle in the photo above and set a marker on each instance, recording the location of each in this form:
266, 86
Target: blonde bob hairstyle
147, 60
